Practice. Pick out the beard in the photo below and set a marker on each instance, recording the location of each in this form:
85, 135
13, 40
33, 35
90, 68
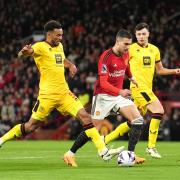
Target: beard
55, 43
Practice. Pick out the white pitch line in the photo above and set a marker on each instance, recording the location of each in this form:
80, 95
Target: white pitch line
26, 157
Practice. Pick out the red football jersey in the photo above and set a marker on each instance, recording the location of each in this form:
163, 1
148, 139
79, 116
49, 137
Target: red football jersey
111, 71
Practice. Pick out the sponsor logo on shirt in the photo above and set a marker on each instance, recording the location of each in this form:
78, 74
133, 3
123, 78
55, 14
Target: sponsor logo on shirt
58, 58
117, 73
146, 60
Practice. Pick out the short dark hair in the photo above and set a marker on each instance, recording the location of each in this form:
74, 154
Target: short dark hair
51, 25
122, 33
141, 26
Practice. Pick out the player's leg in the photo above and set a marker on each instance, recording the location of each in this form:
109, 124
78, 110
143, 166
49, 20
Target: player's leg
157, 111
20, 130
89, 132
82, 139
92, 132
122, 129
72, 106
125, 127
69, 156
136, 120
150, 102
35, 121
128, 109
121, 105
119, 131
101, 107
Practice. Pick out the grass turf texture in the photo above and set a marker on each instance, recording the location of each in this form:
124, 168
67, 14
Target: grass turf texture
42, 160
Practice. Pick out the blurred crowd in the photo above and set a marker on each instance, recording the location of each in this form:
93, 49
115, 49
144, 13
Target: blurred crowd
89, 28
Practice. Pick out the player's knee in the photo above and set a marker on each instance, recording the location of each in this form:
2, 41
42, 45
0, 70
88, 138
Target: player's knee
138, 121
161, 111
157, 109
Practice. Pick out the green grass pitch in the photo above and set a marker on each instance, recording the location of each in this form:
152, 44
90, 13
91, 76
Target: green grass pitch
42, 160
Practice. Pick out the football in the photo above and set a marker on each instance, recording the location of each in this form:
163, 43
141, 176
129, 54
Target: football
126, 158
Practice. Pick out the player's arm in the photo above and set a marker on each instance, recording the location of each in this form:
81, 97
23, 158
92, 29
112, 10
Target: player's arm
160, 70
26, 51
103, 80
72, 68
104, 84
130, 76
110, 88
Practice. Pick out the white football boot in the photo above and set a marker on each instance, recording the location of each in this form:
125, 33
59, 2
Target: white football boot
115, 151
153, 152
108, 154
112, 151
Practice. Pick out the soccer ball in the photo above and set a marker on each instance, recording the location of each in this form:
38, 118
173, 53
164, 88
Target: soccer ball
126, 158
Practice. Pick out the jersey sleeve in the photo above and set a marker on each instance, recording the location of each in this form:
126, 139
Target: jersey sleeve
102, 66
128, 71
37, 49
157, 57
130, 51
62, 51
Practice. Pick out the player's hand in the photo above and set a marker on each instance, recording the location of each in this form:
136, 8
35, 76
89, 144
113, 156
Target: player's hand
27, 50
125, 92
72, 70
134, 82
177, 71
